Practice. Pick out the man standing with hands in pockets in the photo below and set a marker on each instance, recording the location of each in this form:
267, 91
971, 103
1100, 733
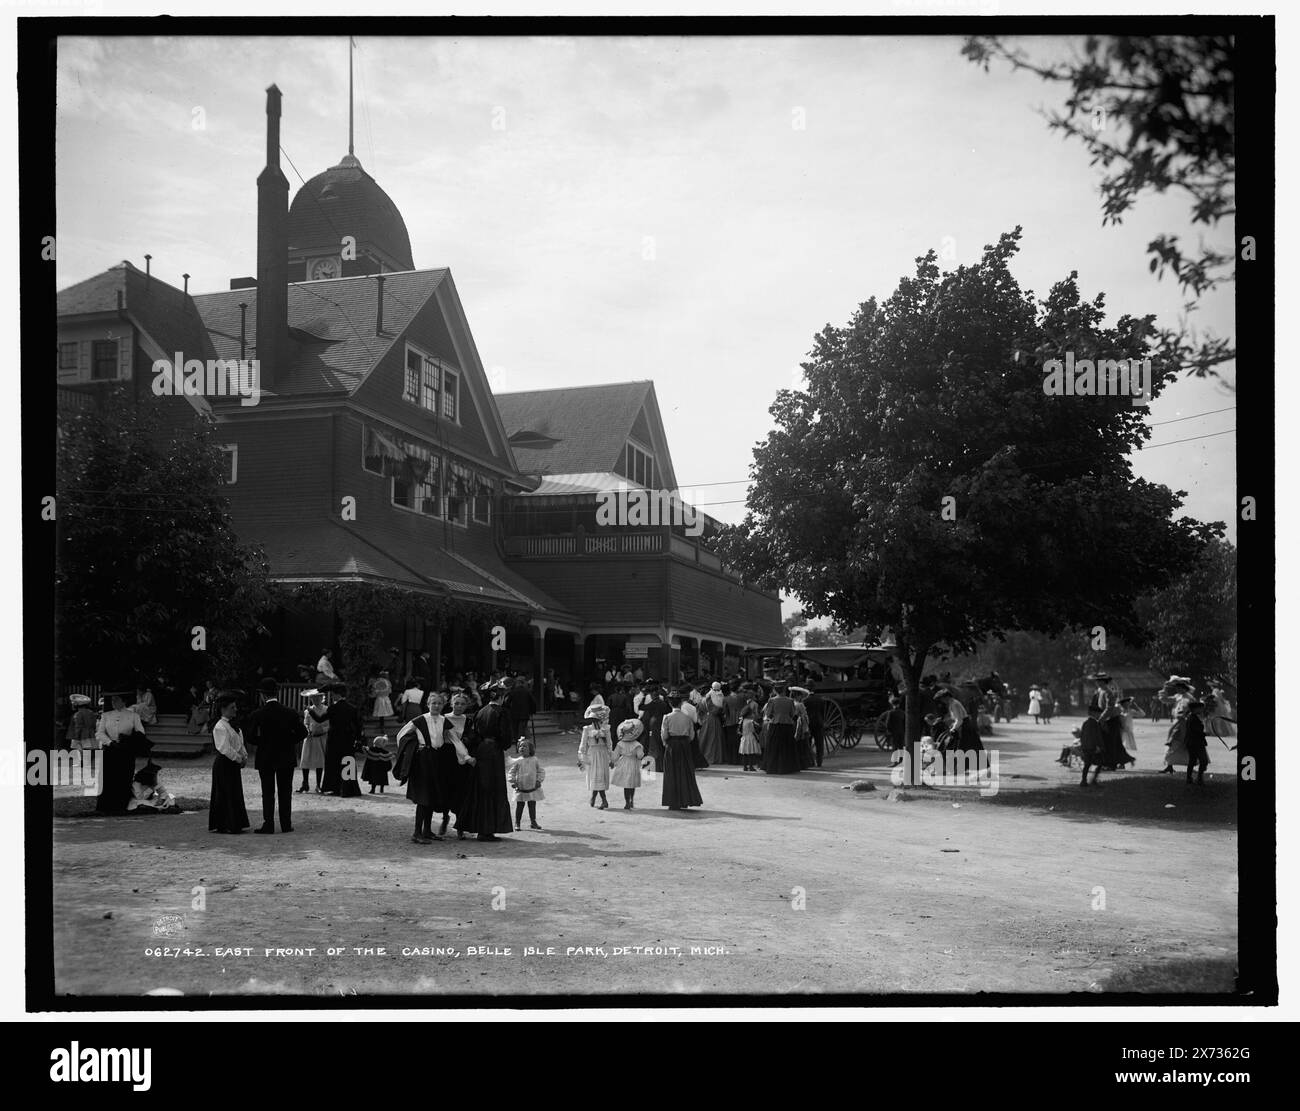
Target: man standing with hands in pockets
277, 732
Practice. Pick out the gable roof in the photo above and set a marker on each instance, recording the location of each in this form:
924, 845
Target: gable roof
589, 424
169, 316
332, 324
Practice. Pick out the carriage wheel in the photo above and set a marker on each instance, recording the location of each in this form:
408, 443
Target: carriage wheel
832, 727
852, 733
882, 731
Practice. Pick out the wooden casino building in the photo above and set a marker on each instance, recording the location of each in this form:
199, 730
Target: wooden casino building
377, 455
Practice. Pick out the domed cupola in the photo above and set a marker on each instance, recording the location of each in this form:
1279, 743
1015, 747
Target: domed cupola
345, 201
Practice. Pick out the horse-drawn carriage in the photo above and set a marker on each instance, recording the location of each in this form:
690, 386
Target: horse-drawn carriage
854, 680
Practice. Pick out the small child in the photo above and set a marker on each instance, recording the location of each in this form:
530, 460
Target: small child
381, 690
628, 758
525, 777
81, 729
750, 750
378, 759
148, 795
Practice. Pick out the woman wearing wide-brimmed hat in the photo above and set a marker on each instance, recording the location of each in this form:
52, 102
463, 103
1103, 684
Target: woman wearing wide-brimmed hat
311, 757
1178, 689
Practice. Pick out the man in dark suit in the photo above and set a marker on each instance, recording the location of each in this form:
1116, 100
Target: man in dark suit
815, 704
277, 732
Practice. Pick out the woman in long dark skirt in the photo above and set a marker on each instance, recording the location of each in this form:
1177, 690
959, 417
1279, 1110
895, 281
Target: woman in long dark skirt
680, 787
345, 732
226, 810
486, 807
419, 743
780, 750
653, 710
120, 735
454, 771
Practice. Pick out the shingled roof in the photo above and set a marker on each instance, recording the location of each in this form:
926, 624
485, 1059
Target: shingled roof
332, 324
327, 550
589, 426
170, 316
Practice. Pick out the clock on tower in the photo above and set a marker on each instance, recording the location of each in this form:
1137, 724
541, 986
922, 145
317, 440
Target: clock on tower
323, 268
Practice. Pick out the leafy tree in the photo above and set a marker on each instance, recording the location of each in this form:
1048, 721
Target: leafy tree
819, 637
925, 482
146, 551
1156, 113
792, 625
1191, 624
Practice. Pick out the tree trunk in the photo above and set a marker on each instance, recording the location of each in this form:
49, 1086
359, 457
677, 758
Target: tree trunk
912, 663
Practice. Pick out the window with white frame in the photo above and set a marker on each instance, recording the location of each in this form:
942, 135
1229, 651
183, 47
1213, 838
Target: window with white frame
638, 466
450, 394
411, 385
417, 483
68, 355
103, 360
230, 456
430, 385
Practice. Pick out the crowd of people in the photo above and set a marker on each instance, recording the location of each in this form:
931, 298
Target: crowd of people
462, 747
1106, 740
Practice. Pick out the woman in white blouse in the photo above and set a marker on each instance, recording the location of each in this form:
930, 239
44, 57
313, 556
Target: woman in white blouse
120, 735
226, 812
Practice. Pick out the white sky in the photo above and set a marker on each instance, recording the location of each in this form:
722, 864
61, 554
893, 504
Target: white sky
761, 232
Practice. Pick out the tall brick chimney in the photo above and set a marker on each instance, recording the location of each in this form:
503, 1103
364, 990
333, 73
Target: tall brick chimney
272, 252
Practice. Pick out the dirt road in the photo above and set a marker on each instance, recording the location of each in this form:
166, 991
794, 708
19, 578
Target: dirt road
781, 884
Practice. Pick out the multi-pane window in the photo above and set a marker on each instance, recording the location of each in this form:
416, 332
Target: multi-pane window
431, 385
451, 395
411, 386
103, 359
638, 466
68, 356
430, 381
424, 481
416, 483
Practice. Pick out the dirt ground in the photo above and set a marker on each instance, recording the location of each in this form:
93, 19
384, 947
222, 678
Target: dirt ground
780, 884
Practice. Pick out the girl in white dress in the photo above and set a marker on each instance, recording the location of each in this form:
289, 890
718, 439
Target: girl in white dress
595, 752
628, 757
525, 777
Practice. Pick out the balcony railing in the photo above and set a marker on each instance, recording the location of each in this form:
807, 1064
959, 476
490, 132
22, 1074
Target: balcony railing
605, 543
591, 544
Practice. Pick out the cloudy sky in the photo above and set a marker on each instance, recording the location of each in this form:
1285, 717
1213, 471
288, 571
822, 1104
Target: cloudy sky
687, 210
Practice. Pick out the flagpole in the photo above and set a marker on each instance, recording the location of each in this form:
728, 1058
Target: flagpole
351, 47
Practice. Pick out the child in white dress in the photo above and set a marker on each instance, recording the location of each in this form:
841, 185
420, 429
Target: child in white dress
628, 757
525, 777
594, 752
750, 750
